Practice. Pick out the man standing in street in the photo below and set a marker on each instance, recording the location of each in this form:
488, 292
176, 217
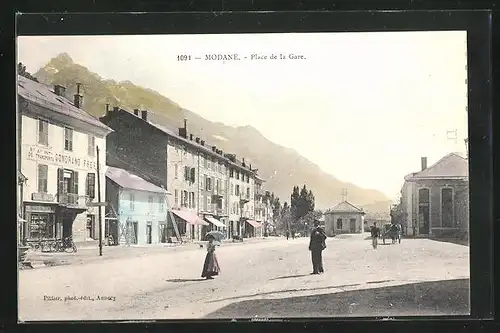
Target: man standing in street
316, 245
375, 233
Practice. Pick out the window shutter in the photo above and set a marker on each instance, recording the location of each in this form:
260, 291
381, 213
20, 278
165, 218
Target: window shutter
60, 181
75, 182
213, 184
193, 175
206, 182
87, 185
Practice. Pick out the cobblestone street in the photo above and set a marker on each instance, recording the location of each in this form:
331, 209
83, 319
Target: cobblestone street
166, 283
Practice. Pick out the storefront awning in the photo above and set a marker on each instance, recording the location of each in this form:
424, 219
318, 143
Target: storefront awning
254, 224
189, 217
215, 222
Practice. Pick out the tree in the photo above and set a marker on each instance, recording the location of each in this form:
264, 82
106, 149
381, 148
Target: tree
285, 216
311, 201
295, 201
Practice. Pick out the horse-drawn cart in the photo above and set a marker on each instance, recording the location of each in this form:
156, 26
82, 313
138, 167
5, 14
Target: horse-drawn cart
392, 231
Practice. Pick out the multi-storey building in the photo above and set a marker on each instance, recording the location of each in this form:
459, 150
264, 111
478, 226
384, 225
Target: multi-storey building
57, 153
196, 174
241, 198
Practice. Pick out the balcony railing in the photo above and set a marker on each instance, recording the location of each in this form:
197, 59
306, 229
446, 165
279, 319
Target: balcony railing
73, 200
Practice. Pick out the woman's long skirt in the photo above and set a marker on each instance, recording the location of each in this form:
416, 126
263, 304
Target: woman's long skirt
211, 266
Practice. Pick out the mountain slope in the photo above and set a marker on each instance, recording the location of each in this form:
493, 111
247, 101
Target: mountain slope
281, 167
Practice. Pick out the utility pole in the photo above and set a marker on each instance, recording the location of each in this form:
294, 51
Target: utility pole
99, 200
344, 194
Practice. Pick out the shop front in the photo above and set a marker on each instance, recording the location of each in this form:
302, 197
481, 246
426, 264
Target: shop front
41, 222
253, 229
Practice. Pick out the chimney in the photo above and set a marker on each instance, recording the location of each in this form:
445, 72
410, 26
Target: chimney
423, 162
115, 109
197, 140
78, 101
107, 109
183, 130
202, 142
243, 161
136, 112
60, 90
214, 149
250, 166
191, 137
144, 115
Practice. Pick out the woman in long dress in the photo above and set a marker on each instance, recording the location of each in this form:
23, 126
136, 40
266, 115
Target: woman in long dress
211, 266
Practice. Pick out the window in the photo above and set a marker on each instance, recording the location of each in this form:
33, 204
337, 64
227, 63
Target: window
248, 192
231, 173
90, 191
237, 190
238, 175
202, 182
176, 197
204, 202
182, 198
68, 139
186, 173
339, 223
248, 179
209, 203
191, 194
91, 145
186, 198
161, 203
67, 182
193, 175
42, 178
43, 132
131, 201
208, 183
176, 170
209, 163
151, 202
232, 189
205, 162
447, 207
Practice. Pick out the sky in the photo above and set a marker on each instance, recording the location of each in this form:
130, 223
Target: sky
363, 106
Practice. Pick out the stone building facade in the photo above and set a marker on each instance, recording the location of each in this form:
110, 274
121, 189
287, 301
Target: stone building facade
435, 200
205, 182
57, 153
344, 218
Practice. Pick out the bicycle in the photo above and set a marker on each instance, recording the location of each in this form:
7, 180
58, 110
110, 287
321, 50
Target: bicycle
64, 244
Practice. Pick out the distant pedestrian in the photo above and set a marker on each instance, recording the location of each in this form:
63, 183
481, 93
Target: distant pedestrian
375, 233
293, 234
211, 266
317, 244
287, 234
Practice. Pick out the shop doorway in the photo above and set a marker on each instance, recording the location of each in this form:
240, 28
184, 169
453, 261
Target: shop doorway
149, 233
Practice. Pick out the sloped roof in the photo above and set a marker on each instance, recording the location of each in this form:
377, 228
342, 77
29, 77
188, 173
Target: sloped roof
45, 96
346, 207
21, 176
204, 148
450, 166
128, 180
